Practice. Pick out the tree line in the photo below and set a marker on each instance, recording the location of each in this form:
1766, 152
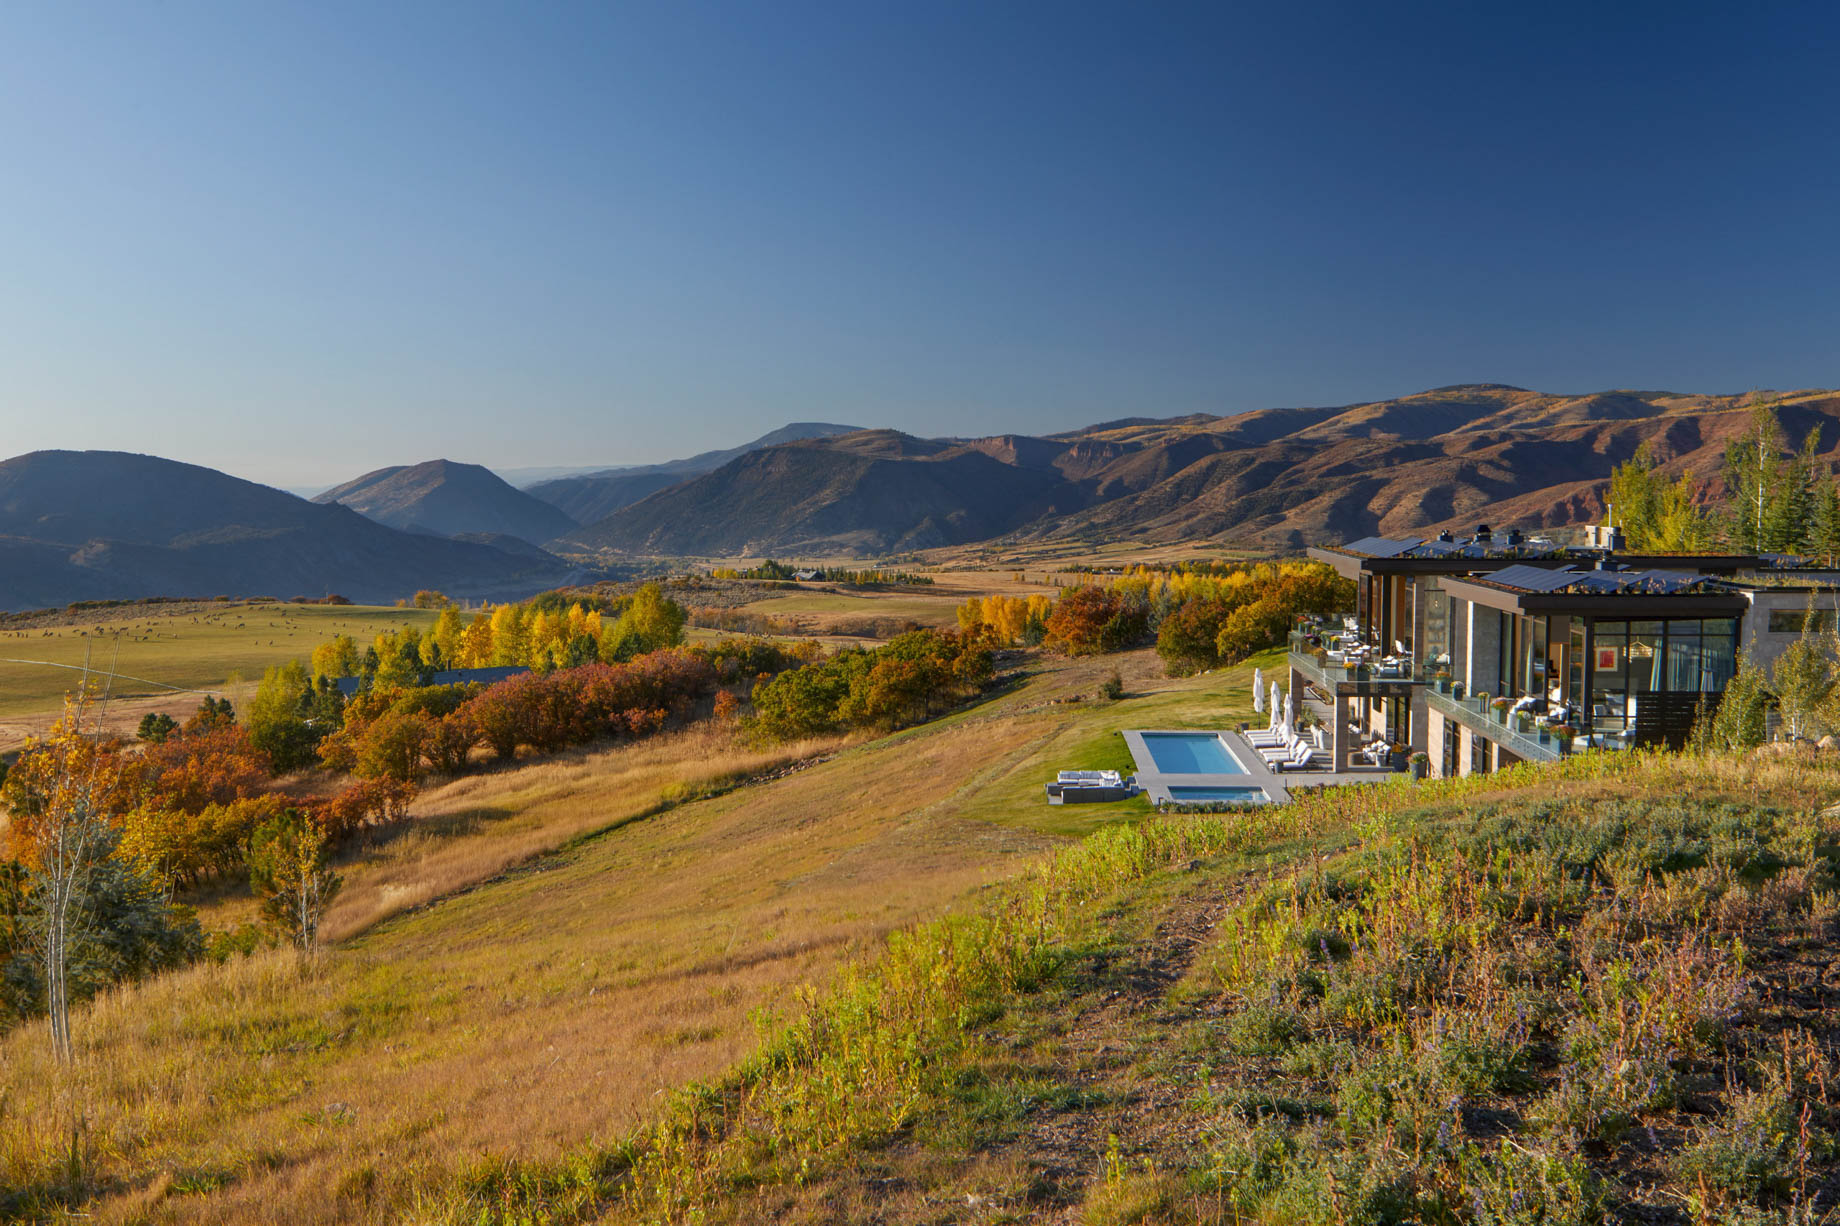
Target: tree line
1199, 616
1766, 498
546, 633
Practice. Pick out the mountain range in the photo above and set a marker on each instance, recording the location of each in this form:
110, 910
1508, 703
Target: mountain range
1274, 478
588, 497
98, 525
107, 525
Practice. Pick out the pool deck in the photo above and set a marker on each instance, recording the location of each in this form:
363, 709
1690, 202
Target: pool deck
1256, 774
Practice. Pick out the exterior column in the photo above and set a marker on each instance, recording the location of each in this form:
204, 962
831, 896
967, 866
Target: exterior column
1483, 665
1338, 743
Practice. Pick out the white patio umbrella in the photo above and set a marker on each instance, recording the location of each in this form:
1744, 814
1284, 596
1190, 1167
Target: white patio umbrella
1277, 702
1258, 690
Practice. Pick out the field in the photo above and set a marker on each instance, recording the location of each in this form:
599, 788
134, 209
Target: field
480, 1000
1556, 996
201, 646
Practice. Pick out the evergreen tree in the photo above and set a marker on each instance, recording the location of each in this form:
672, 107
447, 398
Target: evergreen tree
1824, 522
1772, 496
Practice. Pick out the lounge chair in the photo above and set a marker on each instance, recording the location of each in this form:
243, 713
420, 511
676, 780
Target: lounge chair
1278, 734
1304, 759
1280, 752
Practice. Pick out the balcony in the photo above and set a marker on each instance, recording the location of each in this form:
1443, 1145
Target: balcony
1362, 679
1535, 742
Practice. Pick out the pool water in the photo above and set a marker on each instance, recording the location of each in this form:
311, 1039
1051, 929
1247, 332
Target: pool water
1189, 796
1191, 753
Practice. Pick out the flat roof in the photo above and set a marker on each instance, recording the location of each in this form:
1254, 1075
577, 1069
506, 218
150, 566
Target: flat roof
1629, 593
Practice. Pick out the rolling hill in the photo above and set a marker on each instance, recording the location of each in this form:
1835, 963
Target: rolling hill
100, 525
593, 496
443, 498
869, 492
1273, 478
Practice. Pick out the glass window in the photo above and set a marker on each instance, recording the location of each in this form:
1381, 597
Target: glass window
1683, 656
1718, 652
1645, 658
1575, 678
1609, 676
1791, 621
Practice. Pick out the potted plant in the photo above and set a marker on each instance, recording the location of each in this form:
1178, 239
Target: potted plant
1443, 680
1498, 708
1566, 734
1349, 665
1523, 721
1420, 764
1322, 657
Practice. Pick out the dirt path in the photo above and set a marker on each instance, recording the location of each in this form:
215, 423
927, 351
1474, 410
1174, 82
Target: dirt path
1124, 1016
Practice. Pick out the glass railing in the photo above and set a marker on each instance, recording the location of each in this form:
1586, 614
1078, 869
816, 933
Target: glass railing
1522, 733
1327, 665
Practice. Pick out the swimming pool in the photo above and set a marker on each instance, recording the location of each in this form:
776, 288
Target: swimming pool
1194, 796
1191, 753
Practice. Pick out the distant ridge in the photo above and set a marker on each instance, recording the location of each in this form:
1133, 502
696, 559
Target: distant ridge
444, 498
107, 525
593, 496
1271, 478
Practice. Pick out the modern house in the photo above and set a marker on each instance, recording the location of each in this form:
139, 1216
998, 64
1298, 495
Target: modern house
1497, 649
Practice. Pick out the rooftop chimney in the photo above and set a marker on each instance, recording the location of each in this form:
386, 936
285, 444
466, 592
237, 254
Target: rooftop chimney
1513, 538
1483, 535
1445, 537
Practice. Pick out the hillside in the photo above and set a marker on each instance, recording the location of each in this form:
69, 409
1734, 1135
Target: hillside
588, 497
1601, 987
101, 525
868, 492
442, 498
1273, 478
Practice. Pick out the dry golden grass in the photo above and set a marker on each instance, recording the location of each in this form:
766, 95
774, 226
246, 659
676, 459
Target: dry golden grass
556, 1002
478, 826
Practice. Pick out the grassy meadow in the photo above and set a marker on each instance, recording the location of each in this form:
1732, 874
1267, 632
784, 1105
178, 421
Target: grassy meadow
1595, 992
197, 646
543, 954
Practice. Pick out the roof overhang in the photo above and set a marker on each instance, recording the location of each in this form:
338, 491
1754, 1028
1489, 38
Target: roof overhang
1599, 604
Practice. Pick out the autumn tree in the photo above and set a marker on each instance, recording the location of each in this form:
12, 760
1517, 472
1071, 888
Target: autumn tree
475, 649
61, 797
289, 872
1656, 515
507, 635
277, 717
652, 621
338, 657
1741, 718
446, 638
1186, 639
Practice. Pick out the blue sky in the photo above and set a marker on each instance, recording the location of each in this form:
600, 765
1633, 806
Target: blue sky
299, 242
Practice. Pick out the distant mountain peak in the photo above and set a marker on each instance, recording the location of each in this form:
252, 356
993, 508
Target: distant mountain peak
448, 498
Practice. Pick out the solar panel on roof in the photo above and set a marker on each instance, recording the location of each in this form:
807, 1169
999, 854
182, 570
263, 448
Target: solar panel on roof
1380, 546
1534, 578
